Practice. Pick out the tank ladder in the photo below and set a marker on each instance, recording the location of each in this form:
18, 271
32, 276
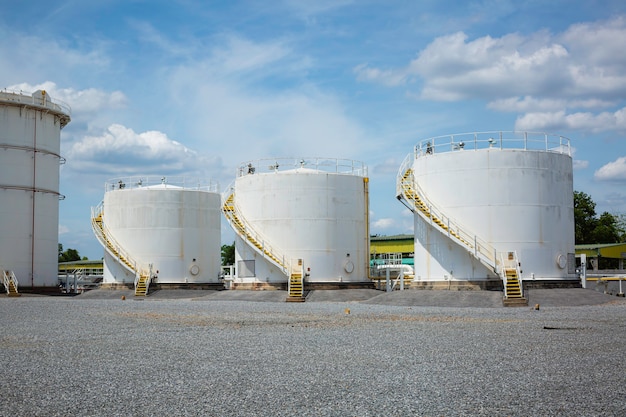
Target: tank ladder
412, 196
296, 282
513, 289
106, 239
245, 230
10, 283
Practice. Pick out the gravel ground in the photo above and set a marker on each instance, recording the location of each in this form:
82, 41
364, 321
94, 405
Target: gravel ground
113, 357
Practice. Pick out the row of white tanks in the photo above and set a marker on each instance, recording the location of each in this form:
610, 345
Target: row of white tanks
507, 193
506, 197
310, 213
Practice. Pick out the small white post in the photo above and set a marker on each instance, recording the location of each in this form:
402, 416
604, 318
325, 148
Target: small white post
387, 280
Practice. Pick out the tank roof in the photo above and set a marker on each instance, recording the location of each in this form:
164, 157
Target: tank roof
299, 165
496, 140
161, 182
39, 99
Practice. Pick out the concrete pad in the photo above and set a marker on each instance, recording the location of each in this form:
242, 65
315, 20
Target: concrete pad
347, 295
562, 297
439, 298
106, 294
246, 295
178, 294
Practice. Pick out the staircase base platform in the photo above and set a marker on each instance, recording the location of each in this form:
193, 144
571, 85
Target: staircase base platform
295, 299
14, 294
515, 302
489, 285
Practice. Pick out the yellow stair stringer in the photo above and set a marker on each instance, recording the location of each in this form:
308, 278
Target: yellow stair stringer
513, 290
10, 283
107, 240
247, 232
410, 192
143, 282
296, 281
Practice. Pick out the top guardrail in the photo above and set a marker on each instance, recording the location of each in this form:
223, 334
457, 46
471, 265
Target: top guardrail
39, 98
187, 183
331, 165
535, 141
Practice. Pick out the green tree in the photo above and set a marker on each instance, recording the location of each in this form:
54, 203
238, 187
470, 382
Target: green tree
607, 229
591, 229
69, 255
228, 254
584, 217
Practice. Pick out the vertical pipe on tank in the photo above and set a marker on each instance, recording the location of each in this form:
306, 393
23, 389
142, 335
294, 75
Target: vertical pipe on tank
367, 225
32, 240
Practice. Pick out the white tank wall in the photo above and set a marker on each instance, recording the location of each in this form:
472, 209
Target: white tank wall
176, 230
517, 200
30, 129
308, 214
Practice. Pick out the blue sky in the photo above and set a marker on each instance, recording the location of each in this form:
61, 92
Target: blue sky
195, 88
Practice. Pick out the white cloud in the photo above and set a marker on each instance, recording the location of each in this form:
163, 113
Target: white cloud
383, 224
90, 100
584, 121
546, 76
532, 104
613, 171
580, 164
387, 77
32, 56
120, 150
226, 107
63, 229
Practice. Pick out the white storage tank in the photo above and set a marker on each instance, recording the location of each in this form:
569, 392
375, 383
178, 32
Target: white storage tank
484, 199
30, 132
310, 214
169, 226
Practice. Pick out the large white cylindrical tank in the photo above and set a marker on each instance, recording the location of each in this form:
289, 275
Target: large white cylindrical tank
169, 223
309, 209
30, 132
511, 192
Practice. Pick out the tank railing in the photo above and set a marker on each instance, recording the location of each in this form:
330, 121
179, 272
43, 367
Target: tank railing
250, 234
529, 141
107, 240
43, 101
331, 165
136, 182
481, 249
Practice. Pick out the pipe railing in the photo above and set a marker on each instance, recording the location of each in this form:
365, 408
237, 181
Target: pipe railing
42, 100
138, 182
529, 141
480, 248
330, 165
107, 240
250, 233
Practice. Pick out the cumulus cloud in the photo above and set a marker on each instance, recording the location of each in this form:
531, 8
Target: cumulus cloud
564, 80
587, 121
613, 171
120, 150
383, 224
90, 100
533, 104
